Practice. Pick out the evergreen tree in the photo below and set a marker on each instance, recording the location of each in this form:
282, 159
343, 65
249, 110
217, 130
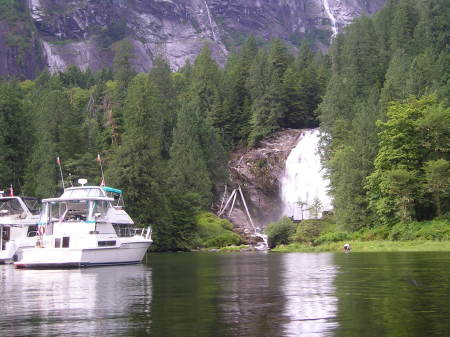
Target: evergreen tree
437, 181
190, 185
167, 102
137, 164
51, 140
14, 139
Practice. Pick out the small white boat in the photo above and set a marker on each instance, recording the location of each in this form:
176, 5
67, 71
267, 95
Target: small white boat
86, 226
19, 217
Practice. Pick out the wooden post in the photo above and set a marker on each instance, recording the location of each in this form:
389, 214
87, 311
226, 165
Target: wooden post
223, 199
226, 205
246, 209
232, 205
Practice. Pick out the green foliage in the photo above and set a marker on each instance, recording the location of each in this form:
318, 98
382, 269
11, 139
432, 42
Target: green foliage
307, 231
280, 232
437, 229
215, 232
437, 181
372, 233
431, 230
332, 237
377, 175
394, 188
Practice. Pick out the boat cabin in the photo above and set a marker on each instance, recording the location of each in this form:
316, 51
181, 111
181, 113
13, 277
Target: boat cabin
18, 222
98, 207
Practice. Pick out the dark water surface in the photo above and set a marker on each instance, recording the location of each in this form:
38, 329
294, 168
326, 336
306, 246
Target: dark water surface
251, 294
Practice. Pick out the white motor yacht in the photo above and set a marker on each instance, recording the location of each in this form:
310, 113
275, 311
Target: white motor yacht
19, 217
85, 226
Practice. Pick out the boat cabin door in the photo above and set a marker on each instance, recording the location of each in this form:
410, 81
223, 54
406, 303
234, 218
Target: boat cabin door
4, 236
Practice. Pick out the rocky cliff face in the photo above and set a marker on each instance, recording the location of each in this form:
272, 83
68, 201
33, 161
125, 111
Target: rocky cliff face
84, 32
258, 172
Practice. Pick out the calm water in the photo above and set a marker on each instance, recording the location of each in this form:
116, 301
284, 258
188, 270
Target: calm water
254, 294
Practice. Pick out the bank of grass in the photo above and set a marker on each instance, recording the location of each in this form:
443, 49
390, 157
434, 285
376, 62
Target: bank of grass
325, 236
369, 246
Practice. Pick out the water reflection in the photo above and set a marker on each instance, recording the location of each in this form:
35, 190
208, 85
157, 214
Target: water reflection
311, 304
250, 301
278, 295
244, 294
93, 302
393, 294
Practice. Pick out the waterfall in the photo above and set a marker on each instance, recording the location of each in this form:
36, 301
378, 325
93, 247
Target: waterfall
214, 35
332, 19
303, 180
54, 61
210, 21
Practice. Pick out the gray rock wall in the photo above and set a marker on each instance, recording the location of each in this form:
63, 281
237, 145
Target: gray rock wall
84, 32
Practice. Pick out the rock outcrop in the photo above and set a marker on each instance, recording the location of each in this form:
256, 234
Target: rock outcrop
84, 32
258, 172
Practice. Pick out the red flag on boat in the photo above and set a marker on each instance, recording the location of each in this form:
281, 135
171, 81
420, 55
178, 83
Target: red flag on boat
11, 191
58, 161
99, 160
102, 183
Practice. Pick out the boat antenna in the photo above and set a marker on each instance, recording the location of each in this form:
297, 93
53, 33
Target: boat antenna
60, 171
99, 160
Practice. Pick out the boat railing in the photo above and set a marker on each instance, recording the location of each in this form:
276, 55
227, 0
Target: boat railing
145, 232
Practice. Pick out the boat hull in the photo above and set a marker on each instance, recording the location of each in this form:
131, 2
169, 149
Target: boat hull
13, 250
48, 258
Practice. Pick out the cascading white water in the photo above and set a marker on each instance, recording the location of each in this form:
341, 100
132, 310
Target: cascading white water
326, 5
213, 29
210, 21
54, 61
303, 181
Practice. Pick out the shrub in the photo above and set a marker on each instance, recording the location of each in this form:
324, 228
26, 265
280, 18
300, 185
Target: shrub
308, 230
224, 240
373, 233
280, 232
434, 230
332, 237
404, 232
213, 231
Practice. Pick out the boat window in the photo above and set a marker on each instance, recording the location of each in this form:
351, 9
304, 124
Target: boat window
99, 209
106, 243
57, 242
10, 207
74, 210
32, 231
33, 204
124, 230
65, 241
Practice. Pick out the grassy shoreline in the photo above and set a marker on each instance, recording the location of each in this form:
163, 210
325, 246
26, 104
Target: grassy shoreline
369, 246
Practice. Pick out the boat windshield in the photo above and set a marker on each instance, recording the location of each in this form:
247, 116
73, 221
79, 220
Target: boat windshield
10, 207
83, 192
33, 204
74, 210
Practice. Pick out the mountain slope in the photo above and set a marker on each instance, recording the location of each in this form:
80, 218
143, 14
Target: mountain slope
84, 32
